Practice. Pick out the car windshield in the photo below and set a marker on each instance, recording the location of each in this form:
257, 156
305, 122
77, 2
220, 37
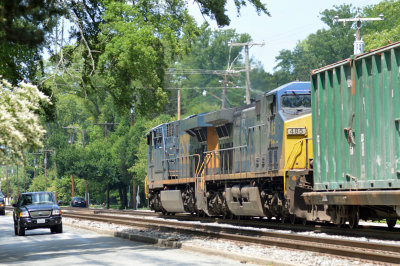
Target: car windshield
37, 198
296, 101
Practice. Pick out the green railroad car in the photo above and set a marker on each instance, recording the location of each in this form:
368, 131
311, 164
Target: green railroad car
356, 136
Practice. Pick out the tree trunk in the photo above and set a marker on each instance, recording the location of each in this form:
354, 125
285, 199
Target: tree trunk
124, 194
121, 196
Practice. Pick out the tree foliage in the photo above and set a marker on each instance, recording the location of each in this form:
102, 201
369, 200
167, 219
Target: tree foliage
380, 33
216, 9
25, 26
20, 127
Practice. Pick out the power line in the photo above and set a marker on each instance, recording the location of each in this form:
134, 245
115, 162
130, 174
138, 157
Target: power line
174, 71
205, 87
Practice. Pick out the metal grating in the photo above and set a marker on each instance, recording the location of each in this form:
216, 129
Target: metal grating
38, 214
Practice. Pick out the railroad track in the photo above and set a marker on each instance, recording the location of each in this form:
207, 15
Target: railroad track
376, 232
376, 252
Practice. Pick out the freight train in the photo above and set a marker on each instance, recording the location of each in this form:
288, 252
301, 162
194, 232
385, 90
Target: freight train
325, 150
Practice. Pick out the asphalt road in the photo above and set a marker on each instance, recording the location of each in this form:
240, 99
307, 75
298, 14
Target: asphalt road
84, 247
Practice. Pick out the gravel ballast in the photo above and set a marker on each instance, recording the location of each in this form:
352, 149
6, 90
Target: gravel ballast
246, 253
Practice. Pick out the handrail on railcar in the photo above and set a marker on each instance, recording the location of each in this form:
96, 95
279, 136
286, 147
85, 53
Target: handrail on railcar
224, 158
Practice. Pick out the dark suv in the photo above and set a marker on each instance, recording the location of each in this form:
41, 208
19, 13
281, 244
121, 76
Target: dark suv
36, 210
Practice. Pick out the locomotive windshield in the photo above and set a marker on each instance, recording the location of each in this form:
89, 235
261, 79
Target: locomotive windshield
296, 101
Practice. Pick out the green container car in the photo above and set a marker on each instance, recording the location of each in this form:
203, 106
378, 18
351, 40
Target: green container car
356, 115
356, 132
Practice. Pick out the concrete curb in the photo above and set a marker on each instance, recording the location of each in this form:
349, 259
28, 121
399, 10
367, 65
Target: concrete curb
174, 243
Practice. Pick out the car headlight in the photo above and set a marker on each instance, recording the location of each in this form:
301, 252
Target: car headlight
56, 212
24, 214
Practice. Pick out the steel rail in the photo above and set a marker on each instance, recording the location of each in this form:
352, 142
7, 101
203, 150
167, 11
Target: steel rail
344, 248
377, 232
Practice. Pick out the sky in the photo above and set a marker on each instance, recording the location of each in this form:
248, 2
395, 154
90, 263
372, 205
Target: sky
290, 21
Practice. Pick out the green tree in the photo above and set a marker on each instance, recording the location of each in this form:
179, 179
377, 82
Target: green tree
380, 33
216, 9
20, 127
25, 26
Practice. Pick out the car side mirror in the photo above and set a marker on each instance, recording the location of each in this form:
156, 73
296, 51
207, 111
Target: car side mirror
14, 205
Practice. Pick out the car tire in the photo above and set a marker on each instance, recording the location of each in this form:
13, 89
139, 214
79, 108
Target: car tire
3, 212
58, 228
15, 228
21, 230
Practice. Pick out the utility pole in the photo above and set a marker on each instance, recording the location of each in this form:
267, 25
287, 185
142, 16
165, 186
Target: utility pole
179, 104
105, 127
358, 43
71, 128
35, 165
45, 167
106, 135
17, 182
246, 49
71, 131
223, 105
8, 199
225, 81
86, 182
55, 173
24, 177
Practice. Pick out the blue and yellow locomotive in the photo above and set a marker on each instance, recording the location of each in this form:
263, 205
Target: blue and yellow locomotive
246, 161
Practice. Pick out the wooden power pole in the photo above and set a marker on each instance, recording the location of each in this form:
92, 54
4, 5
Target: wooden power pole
105, 125
246, 49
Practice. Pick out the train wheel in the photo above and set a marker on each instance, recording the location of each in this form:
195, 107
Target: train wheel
391, 222
354, 218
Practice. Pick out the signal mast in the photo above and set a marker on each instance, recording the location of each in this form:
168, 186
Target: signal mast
358, 42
